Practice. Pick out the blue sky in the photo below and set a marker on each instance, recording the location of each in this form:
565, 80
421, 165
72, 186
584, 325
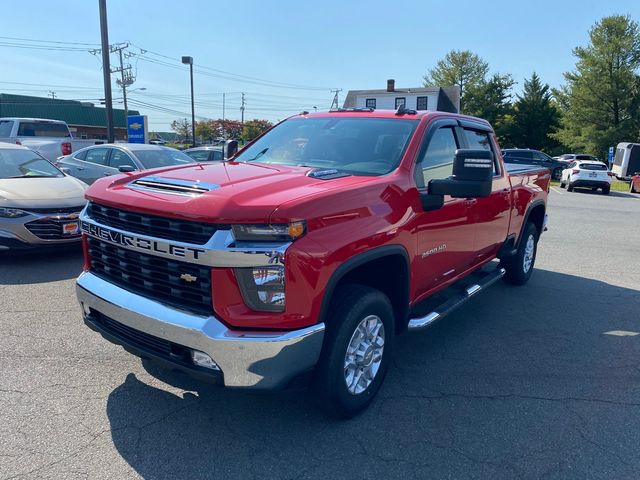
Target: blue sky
255, 47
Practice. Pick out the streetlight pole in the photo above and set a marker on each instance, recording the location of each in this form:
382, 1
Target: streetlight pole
189, 61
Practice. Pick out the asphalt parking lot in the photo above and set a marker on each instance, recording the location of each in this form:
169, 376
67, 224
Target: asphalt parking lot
520, 383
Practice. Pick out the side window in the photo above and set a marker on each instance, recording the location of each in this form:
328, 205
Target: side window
97, 156
370, 103
81, 155
5, 128
541, 157
437, 161
120, 158
479, 140
199, 155
217, 155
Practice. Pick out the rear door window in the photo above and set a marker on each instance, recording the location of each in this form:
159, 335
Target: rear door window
479, 140
99, 156
5, 128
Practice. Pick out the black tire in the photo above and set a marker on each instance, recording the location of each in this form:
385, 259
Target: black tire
606, 190
557, 174
562, 184
569, 187
631, 189
350, 306
515, 266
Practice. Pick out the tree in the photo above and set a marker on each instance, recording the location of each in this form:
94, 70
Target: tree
458, 67
536, 117
205, 131
182, 127
491, 100
600, 101
254, 128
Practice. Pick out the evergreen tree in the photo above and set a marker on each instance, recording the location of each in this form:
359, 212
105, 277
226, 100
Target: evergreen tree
536, 117
491, 100
601, 99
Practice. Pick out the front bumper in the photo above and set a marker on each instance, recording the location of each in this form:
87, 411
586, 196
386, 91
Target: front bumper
259, 360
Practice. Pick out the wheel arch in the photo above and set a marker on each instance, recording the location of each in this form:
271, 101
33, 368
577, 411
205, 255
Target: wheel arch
364, 269
535, 214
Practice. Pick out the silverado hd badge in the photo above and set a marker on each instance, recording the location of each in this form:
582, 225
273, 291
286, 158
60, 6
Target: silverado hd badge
127, 240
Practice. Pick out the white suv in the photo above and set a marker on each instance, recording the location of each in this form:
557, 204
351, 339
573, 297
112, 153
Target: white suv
586, 174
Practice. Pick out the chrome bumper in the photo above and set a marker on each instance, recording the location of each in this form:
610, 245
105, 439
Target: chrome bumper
259, 360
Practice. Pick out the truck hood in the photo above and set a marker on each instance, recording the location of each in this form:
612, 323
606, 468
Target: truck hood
240, 192
42, 192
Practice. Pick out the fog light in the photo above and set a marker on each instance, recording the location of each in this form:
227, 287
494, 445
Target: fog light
203, 360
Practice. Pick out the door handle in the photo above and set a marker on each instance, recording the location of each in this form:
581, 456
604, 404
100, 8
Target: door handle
106, 174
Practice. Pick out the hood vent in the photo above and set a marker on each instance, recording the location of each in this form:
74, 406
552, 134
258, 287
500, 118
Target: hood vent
172, 186
326, 173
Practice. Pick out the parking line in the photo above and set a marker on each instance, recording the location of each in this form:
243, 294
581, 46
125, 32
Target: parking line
557, 191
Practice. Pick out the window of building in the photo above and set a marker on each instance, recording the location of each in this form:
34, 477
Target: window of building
370, 103
422, 103
400, 101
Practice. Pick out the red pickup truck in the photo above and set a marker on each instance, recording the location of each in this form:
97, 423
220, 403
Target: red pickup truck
306, 253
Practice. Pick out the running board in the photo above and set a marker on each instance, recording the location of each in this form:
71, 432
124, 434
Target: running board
456, 301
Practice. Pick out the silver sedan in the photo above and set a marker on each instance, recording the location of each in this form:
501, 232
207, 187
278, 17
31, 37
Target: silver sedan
91, 163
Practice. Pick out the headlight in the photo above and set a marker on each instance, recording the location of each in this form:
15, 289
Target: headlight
268, 233
12, 213
262, 287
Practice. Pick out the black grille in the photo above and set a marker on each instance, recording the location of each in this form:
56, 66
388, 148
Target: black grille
51, 229
153, 225
137, 338
153, 277
77, 209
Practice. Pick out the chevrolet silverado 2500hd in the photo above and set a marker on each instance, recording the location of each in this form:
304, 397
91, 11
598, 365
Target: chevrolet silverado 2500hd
310, 250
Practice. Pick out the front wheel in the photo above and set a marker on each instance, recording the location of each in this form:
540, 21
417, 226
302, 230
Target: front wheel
520, 267
356, 352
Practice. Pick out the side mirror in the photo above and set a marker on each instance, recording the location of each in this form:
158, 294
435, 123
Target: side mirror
230, 148
126, 169
472, 175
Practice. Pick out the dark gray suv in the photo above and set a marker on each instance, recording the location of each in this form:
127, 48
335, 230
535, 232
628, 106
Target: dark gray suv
534, 157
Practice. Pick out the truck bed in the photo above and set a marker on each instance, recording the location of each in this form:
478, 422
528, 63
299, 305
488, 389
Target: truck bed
519, 169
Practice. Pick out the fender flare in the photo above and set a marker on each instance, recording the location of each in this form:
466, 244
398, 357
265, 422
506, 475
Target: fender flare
530, 208
361, 259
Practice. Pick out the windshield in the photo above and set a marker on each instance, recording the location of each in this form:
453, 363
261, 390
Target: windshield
360, 146
162, 157
18, 163
43, 129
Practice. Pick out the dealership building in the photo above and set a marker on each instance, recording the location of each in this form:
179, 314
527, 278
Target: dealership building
84, 119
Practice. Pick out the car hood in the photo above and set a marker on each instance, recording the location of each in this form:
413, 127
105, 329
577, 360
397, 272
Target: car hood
42, 192
238, 192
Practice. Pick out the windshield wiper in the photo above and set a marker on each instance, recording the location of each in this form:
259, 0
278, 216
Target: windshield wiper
258, 155
33, 176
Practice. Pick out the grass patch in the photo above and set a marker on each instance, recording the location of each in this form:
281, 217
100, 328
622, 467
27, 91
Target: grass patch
616, 185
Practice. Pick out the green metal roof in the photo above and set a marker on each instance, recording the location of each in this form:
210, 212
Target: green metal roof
71, 111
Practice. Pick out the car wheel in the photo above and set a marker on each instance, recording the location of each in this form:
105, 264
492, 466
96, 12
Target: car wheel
562, 184
557, 174
356, 351
606, 190
631, 187
569, 187
520, 267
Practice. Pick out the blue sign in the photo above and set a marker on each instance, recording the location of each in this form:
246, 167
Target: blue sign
137, 129
610, 154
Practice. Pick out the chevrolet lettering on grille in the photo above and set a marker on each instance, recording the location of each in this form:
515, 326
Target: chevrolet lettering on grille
137, 243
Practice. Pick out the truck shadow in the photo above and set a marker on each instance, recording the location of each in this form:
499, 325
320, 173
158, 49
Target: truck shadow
501, 388
40, 266
611, 194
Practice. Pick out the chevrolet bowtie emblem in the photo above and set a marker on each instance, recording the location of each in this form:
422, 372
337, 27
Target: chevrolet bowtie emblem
188, 277
135, 126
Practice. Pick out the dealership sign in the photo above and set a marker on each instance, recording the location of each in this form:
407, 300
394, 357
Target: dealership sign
138, 129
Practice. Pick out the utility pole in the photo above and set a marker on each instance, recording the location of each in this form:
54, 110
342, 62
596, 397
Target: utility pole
52, 94
335, 101
126, 76
106, 69
224, 134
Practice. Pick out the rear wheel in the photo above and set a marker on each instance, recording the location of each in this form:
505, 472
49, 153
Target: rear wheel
631, 187
606, 190
356, 351
562, 184
520, 266
569, 187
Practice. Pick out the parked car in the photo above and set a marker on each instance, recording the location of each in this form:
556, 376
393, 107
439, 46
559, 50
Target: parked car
586, 174
634, 184
569, 157
534, 157
307, 254
626, 161
39, 204
92, 163
206, 154
158, 141
50, 138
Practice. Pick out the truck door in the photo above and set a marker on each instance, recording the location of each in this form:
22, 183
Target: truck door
444, 236
489, 214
